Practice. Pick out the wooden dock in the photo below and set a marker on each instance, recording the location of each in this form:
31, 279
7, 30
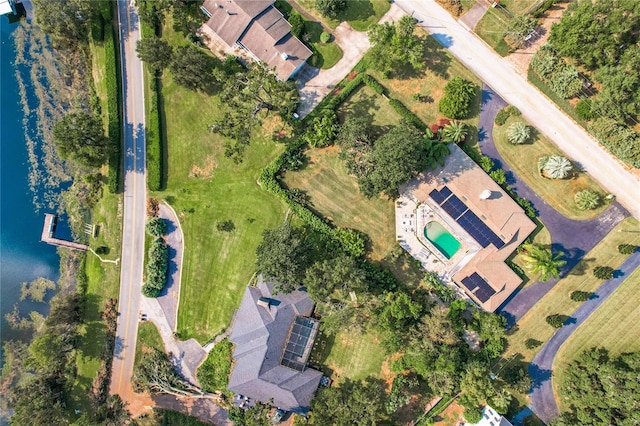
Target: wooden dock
48, 230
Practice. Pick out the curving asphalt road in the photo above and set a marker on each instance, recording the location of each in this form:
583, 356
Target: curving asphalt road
134, 203
541, 112
543, 401
574, 238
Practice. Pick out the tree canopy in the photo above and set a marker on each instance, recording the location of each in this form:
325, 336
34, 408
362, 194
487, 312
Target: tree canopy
396, 46
80, 137
330, 8
540, 259
157, 53
458, 95
601, 389
282, 257
193, 68
66, 22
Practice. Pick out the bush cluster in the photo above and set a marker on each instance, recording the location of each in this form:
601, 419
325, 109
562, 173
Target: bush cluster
561, 77
373, 84
603, 272
458, 95
622, 141
406, 114
627, 248
156, 271
156, 227
113, 108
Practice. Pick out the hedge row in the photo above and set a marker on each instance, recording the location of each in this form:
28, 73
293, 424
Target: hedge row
407, 114
156, 271
374, 84
113, 106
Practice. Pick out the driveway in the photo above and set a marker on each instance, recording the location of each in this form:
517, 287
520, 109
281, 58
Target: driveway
314, 84
474, 15
169, 299
541, 112
543, 401
574, 238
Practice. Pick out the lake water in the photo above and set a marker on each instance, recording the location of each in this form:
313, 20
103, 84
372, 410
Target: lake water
22, 256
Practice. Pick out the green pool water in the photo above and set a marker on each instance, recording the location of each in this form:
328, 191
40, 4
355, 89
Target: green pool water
442, 239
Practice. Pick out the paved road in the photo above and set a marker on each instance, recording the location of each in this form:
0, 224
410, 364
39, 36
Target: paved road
574, 238
536, 108
134, 204
543, 401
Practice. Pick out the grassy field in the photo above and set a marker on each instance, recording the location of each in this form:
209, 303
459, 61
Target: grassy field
360, 14
344, 356
430, 82
523, 159
148, 337
325, 55
558, 300
615, 325
494, 22
205, 187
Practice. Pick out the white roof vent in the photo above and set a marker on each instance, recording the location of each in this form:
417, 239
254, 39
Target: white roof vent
284, 56
485, 195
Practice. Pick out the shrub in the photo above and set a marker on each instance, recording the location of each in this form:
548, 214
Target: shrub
518, 133
556, 320
472, 415
583, 109
373, 84
406, 114
513, 111
323, 129
297, 25
557, 167
156, 227
225, 225
603, 272
501, 117
627, 248
622, 141
499, 176
532, 343
213, 374
486, 163
458, 95
580, 296
325, 37
587, 200
153, 207
330, 8
156, 270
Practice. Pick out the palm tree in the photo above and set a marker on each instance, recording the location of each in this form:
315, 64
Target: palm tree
540, 259
518, 133
587, 200
557, 167
456, 131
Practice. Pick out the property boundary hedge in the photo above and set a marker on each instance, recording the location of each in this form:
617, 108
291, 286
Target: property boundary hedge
112, 79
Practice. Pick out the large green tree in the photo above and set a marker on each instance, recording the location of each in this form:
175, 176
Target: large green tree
80, 137
282, 256
351, 403
330, 8
66, 22
458, 95
540, 259
248, 96
193, 68
157, 53
396, 46
341, 274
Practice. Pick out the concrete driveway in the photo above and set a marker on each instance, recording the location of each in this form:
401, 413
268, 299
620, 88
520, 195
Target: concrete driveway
314, 84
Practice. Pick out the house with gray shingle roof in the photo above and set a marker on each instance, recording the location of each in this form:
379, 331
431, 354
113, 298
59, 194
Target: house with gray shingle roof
273, 335
259, 28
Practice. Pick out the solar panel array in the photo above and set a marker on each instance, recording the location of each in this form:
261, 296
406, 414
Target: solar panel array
478, 286
298, 346
471, 223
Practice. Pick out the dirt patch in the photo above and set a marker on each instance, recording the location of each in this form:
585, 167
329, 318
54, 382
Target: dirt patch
205, 171
451, 416
521, 58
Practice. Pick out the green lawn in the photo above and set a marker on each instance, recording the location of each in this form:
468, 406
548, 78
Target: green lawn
360, 14
615, 325
523, 159
148, 337
205, 187
494, 22
325, 55
347, 356
558, 300
430, 82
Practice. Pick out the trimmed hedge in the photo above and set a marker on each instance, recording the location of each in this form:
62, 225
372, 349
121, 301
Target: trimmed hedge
406, 114
114, 127
156, 271
154, 140
374, 84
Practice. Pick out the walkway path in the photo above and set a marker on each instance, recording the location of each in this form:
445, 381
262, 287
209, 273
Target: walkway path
314, 84
540, 111
573, 237
543, 401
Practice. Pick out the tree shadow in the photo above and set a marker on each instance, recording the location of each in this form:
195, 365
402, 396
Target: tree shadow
572, 256
437, 59
356, 10
538, 376
365, 107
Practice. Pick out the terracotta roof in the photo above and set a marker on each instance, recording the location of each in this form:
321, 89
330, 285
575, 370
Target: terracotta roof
261, 29
499, 212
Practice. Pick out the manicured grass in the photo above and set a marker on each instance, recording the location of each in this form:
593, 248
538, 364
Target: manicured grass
346, 355
205, 187
148, 337
615, 325
523, 159
440, 68
98, 74
491, 29
103, 283
360, 14
325, 55
335, 195
558, 301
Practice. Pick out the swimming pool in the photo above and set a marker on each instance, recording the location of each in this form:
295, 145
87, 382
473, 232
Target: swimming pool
442, 239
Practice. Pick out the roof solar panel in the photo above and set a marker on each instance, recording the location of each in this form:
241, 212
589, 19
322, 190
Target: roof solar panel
484, 291
468, 283
436, 196
454, 207
445, 191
